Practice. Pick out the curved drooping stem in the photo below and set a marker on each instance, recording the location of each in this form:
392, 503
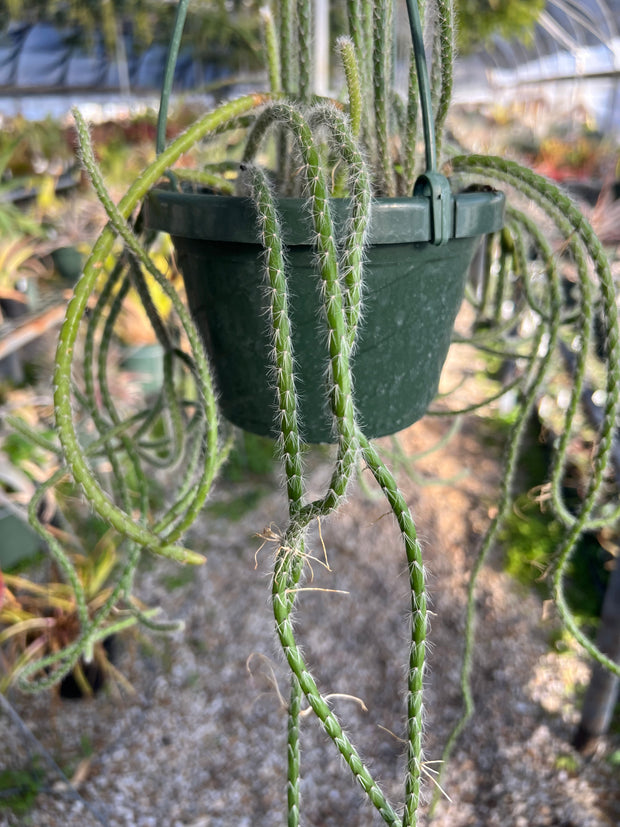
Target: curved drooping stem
120, 439
339, 265
290, 558
587, 255
76, 310
584, 247
333, 282
341, 316
443, 52
417, 652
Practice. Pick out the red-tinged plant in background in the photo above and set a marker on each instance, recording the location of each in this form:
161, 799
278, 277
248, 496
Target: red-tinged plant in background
38, 620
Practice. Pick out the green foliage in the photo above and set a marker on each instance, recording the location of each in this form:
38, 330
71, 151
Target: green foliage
479, 20
177, 581
237, 506
20, 787
220, 31
17, 447
568, 763
530, 537
251, 454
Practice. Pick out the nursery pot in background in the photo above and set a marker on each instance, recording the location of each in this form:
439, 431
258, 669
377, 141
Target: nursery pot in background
145, 363
68, 261
18, 542
412, 292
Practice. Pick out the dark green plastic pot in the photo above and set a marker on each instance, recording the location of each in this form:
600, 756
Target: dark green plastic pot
69, 262
18, 542
413, 290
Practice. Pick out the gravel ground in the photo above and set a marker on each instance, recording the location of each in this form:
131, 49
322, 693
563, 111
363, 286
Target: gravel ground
201, 742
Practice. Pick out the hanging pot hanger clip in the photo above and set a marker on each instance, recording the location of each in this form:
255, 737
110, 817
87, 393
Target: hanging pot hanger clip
436, 186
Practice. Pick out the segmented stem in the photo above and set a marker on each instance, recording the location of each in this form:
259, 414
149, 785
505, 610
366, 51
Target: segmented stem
304, 49
361, 48
271, 237
290, 559
346, 50
582, 244
293, 754
417, 652
284, 628
533, 382
410, 137
114, 433
79, 467
382, 61
288, 54
272, 50
190, 426
443, 59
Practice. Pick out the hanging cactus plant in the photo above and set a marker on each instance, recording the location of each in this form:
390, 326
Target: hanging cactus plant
325, 150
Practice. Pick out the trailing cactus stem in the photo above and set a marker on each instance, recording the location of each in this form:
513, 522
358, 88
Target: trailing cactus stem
381, 76
341, 319
272, 50
304, 49
271, 234
443, 60
357, 35
354, 240
75, 312
346, 49
290, 445
366, 57
284, 627
411, 129
288, 57
293, 754
573, 226
417, 654
443, 48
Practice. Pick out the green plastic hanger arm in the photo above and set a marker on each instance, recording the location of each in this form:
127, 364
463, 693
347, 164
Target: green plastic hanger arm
171, 61
415, 25
431, 184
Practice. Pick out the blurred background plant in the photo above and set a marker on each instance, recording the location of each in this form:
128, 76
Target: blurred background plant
37, 619
226, 30
39, 611
481, 20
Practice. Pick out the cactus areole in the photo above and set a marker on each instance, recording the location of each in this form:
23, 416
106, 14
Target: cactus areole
412, 290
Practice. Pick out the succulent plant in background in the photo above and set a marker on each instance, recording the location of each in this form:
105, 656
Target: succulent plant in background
38, 620
42, 610
345, 164
20, 238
